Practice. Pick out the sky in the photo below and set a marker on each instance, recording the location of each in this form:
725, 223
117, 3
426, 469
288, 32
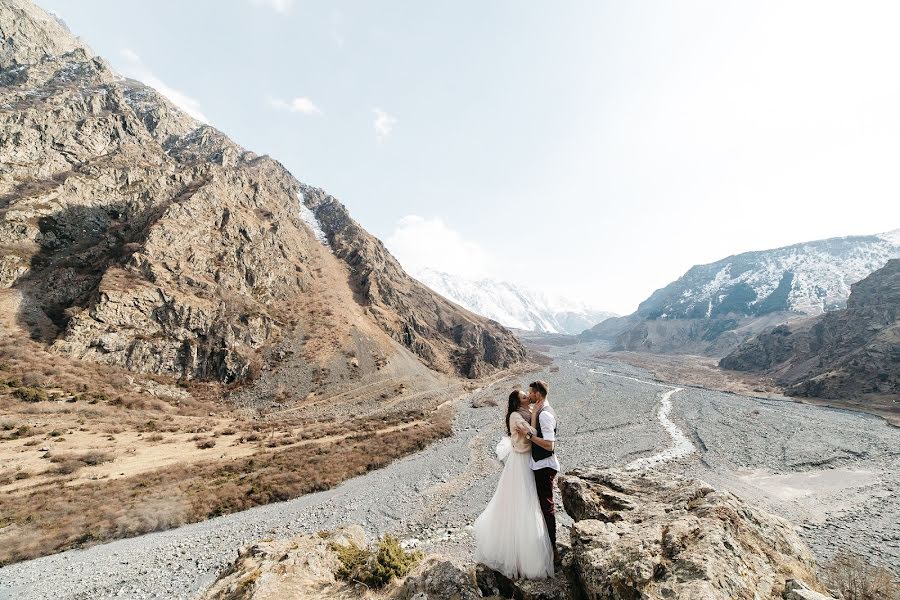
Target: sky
595, 150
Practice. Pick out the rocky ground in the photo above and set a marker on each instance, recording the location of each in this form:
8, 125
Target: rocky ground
834, 473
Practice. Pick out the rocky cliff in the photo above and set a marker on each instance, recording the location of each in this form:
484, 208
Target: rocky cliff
660, 536
848, 353
154, 242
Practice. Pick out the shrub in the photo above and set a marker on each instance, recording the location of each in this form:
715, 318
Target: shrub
856, 579
204, 444
375, 568
30, 394
96, 457
66, 466
34, 379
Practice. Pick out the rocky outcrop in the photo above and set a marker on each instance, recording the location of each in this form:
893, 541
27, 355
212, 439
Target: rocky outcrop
438, 579
494, 584
302, 567
154, 242
845, 354
660, 536
636, 536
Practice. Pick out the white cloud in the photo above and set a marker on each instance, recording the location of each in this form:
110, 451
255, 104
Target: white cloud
279, 6
384, 124
420, 243
299, 104
136, 69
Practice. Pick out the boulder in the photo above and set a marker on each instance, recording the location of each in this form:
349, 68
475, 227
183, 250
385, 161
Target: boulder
493, 583
301, 567
649, 536
797, 590
439, 580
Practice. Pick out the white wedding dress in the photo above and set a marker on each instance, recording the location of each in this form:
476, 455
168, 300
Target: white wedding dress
510, 535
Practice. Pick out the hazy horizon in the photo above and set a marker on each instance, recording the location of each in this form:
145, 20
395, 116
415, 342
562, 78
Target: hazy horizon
592, 150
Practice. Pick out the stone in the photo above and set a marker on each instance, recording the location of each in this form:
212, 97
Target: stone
439, 580
299, 567
652, 535
494, 583
797, 590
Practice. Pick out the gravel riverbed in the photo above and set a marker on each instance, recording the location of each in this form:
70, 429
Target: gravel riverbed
833, 473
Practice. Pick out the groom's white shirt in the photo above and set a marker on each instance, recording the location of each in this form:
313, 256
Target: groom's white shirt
548, 426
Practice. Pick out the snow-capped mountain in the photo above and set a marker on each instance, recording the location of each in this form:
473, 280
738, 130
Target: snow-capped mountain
808, 278
514, 306
713, 308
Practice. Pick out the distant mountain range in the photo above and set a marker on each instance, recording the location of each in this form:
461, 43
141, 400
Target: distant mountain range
713, 308
513, 305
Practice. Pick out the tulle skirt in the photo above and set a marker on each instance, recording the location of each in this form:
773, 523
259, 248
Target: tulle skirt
510, 535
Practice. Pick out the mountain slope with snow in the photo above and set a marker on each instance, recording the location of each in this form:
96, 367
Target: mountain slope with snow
514, 306
712, 308
808, 278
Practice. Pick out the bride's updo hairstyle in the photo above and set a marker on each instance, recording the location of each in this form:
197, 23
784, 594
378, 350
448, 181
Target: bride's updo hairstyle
512, 406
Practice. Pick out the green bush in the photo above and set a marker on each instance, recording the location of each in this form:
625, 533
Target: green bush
375, 568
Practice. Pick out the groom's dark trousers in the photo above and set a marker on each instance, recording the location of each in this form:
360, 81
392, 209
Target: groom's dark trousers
543, 481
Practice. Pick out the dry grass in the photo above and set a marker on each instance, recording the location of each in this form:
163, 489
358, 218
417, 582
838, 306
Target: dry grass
76, 516
856, 579
131, 453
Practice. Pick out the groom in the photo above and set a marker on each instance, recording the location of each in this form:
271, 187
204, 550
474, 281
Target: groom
543, 456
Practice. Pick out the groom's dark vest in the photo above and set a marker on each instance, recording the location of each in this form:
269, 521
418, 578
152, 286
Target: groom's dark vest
538, 453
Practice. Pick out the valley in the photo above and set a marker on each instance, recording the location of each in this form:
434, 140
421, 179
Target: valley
831, 472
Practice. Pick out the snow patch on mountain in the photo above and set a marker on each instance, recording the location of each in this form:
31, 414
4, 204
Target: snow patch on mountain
891, 236
809, 278
514, 306
309, 217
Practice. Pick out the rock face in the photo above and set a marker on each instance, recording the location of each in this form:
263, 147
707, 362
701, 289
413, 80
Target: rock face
712, 308
154, 242
652, 536
439, 580
302, 567
446, 336
844, 354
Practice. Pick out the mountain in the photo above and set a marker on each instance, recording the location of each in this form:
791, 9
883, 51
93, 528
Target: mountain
712, 308
143, 238
843, 354
514, 306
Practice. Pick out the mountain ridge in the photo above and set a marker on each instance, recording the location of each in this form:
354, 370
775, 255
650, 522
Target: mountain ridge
848, 353
155, 242
512, 305
714, 307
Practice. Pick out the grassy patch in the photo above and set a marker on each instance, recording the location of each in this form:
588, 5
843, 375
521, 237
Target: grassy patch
857, 579
59, 517
375, 567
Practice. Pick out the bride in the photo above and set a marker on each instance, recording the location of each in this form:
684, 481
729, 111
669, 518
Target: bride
510, 534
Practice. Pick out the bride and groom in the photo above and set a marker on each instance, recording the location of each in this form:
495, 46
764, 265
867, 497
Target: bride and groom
516, 533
